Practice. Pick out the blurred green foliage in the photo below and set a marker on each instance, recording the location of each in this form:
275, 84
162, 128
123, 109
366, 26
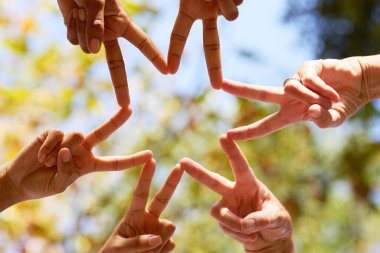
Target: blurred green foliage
328, 180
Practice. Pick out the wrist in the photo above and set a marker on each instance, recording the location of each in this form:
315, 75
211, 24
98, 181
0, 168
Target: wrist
370, 66
9, 195
281, 246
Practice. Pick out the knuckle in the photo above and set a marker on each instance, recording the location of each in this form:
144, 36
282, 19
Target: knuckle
77, 135
98, 25
308, 79
290, 87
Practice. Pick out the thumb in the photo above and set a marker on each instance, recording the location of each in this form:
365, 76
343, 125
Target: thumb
278, 222
141, 243
65, 170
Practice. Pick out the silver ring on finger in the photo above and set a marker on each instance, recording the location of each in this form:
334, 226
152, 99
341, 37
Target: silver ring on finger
294, 78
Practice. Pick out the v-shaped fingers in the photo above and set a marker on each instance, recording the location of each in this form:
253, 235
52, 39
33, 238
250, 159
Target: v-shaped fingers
161, 199
104, 131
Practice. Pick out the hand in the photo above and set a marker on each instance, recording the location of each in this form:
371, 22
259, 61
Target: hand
34, 173
248, 211
91, 22
228, 8
341, 81
141, 229
208, 12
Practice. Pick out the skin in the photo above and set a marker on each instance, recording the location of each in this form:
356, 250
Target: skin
141, 229
53, 161
248, 211
327, 92
208, 12
92, 22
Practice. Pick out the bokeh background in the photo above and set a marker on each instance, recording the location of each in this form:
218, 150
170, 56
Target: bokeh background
329, 180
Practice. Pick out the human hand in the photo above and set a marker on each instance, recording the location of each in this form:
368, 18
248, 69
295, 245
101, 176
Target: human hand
89, 23
248, 211
207, 11
35, 173
141, 229
341, 81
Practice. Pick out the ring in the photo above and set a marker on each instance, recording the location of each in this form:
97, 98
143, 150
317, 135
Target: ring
291, 78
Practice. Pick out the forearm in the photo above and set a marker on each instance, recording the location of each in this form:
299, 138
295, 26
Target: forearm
371, 75
8, 193
283, 246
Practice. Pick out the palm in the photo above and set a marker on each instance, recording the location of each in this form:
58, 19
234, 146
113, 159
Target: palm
36, 180
116, 24
141, 220
142, 223
345, 78
30, 176
200, 9
291, 110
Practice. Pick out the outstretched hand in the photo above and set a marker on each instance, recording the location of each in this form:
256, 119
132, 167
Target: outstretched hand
141, 229
90, 23
207, 11
53, 161
248, 211
327, 92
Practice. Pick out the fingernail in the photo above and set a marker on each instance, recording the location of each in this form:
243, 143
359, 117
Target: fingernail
41, 157
154, 240
95, 45
66, 156
75, 13
249, 224
82, 15
315, 114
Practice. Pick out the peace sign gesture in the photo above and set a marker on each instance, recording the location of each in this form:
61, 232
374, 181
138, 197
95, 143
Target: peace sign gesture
53, 161
248, 211
208, 12
291, 109
141, 229
92, 22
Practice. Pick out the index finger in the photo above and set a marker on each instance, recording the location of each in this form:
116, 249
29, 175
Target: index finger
212, 180
161, 199
270, 124
104, 131
118, 74
141, 193
140, 40
238, 162
254, 92
211, 47
178, 38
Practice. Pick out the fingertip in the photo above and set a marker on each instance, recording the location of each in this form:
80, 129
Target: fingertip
233, 15
65, 155
149, 154
173, 63
154, 240
315, 111
95, 45
185, 162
